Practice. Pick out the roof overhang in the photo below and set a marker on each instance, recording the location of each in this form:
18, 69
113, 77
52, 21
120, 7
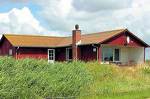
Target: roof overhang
41, 46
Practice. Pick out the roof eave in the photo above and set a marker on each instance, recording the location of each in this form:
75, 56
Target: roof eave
42, 46
144, 43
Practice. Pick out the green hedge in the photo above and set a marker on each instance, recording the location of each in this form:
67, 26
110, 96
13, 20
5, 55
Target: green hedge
35, 79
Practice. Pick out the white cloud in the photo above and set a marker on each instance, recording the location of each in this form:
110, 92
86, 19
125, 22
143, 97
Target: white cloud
97, 15
56, 13
97, 5
21, 21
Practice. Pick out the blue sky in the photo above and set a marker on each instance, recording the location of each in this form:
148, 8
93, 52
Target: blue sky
34, 8
5, 7
58, 17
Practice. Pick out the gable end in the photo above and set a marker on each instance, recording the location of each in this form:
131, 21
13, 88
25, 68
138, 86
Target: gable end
121, 39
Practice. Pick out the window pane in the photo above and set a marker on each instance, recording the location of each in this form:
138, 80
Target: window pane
10, 51
107, 54
117, 54
51, 55
70, 53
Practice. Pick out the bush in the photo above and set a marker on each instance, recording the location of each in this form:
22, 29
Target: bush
34, 79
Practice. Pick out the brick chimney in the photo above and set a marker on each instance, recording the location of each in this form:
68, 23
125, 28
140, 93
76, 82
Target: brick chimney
76, 40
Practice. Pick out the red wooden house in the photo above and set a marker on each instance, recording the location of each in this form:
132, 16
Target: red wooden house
119, 46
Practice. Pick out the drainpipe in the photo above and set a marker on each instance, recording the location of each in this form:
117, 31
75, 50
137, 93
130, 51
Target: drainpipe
17, 52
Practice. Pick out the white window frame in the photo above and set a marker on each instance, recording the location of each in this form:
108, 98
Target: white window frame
113, 49
114, 54
67, 54
103, 55
49, 60
10, 53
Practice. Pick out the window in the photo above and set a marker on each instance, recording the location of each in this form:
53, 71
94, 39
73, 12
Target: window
10, 52
94, 49
110, 54
107, 54
68, 54
117, 55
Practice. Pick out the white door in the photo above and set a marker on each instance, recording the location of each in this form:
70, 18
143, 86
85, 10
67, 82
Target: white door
51, 55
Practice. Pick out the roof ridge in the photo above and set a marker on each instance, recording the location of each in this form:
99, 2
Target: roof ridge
105, 31
32, 35
62, 36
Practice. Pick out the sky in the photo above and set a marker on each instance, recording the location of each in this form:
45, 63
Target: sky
58, 17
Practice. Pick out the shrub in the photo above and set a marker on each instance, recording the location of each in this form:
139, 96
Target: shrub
29, 78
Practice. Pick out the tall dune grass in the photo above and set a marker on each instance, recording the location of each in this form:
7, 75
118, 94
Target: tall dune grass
114, 82
37, 79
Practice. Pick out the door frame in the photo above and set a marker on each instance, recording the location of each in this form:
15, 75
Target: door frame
51, 61
114, 55
67, 53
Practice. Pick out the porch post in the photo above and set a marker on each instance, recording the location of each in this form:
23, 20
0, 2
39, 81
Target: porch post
144, 55
99, 54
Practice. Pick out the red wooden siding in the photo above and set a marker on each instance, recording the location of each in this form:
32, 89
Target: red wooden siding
41, 53
38, 53
87, 53
122, 40
60, 54
5, 45
134, 42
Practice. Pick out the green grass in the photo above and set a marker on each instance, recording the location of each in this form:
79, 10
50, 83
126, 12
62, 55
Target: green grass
143, 94
113, 82
37, 79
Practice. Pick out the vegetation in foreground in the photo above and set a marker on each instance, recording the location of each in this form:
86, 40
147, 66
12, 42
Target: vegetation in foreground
37, 79
113, 82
